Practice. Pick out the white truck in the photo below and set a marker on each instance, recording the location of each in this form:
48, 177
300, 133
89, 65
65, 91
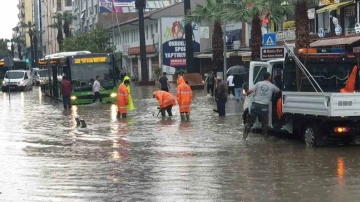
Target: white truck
319, 117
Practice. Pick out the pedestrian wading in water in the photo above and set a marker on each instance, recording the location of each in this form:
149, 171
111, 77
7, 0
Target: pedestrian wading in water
184, 98
123, 99
166, 101
260, 107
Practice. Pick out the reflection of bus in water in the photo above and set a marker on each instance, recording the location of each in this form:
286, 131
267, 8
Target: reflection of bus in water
18, 65
82, 70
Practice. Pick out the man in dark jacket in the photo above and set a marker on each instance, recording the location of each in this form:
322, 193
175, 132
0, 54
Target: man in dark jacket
66, 92
238, 82
221, 96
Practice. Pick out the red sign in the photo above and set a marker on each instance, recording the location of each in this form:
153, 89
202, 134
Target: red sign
178, 62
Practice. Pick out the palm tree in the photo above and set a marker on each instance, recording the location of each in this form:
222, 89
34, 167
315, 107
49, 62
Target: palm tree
252, 12
31, 27
211, 12
68, 18
19, 42
35, 44
12, 48
59, 26
140, 5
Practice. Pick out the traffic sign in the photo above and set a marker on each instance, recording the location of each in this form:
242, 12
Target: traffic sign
269, 39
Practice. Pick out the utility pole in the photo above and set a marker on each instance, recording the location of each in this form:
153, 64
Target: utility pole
225, 50
140, 6
189, 41
40, 26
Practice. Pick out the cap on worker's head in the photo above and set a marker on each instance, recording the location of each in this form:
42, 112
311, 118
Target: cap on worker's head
127, 81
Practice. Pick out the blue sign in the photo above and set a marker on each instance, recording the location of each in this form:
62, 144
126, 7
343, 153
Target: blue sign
269, 39
27, 60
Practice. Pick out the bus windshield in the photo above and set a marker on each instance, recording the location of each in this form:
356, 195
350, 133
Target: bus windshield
84, 75
14, 75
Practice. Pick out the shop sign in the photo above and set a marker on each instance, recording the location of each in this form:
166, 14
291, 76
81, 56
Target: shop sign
311, 13
272, 53
356, 49
288, 25
349, 11
357, 28
286, 35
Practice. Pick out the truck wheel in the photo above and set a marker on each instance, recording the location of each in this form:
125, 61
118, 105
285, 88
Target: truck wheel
309, 134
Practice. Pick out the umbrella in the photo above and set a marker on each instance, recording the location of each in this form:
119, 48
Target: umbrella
237, 70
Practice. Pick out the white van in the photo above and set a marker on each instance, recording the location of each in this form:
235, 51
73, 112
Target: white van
17, 80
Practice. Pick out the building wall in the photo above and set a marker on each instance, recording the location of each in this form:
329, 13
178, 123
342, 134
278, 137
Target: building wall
50, 9
28, 17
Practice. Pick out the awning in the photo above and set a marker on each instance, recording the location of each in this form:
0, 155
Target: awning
204, 55
244, 54
333, 7
334, 42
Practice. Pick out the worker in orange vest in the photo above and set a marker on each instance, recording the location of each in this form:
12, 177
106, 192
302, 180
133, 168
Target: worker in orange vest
123, 99
166, 101
184, 97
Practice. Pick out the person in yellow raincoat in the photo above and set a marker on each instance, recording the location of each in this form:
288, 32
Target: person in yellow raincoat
130, 106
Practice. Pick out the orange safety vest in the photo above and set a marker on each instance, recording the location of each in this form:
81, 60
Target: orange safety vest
165, 99
183, 95
122, 98
350, 85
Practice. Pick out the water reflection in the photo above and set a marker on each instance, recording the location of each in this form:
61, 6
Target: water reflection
149, 158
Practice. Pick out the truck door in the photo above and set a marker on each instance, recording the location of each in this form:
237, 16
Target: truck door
256, 72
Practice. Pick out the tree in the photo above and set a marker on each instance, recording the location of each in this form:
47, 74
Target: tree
96, 41
30, 27
253, 12
4, 51
12, 48
35, 45
140, 5
58, 25
211, 12
19, 43
68, 18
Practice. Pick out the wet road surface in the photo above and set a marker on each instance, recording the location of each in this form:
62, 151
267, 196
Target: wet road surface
45, 157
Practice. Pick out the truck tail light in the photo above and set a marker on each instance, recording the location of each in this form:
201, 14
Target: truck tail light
341, 129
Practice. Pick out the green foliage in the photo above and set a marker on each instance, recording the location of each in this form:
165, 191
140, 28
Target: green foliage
95, 41
177, 72
4, 51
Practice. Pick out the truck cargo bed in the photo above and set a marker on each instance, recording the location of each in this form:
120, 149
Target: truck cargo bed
321, 104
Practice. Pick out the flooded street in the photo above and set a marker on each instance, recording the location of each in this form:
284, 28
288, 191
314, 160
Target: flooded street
45, 157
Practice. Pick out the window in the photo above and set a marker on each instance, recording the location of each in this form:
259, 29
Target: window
68, 3
156, 28
323, 20
259, 71
349, 18
151, 31
58, 5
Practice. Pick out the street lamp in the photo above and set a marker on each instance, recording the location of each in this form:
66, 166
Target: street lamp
140, 5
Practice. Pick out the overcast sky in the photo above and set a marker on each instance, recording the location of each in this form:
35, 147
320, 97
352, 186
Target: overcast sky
8, 17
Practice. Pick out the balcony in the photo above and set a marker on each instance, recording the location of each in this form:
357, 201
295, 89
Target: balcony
21, 5
68, 8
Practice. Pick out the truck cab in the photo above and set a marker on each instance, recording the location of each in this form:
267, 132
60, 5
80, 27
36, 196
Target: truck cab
319, 116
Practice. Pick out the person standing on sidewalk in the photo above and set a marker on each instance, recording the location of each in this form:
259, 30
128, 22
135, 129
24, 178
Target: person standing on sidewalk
221, 96
260, 107
210, 82
96, 89
66, 92
164, 83
238, 83
231, 85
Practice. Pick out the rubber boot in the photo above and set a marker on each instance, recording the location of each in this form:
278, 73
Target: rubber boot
183, 118
187, 116
118, 115
123, 116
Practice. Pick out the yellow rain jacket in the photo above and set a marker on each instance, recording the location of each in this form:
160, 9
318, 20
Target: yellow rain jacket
130, 106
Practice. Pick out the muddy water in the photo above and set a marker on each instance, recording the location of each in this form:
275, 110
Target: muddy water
45, 157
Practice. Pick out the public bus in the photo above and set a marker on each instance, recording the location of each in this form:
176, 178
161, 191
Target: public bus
81, 70
18, 65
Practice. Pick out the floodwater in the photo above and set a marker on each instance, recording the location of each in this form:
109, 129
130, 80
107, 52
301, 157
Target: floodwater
45, 157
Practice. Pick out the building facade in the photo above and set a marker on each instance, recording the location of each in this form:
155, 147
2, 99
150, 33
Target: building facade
88, 12
50, 8
25, 15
